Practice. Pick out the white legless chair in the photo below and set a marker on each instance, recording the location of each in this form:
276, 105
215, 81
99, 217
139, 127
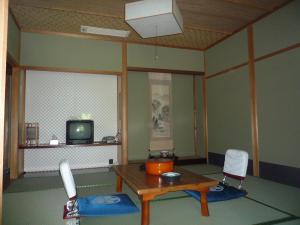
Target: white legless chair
235, 165
93, 205
69, 184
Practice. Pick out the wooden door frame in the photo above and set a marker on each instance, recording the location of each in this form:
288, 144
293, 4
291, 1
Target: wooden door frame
3, 55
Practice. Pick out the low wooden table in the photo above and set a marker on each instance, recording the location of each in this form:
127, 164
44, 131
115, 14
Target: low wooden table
147, 187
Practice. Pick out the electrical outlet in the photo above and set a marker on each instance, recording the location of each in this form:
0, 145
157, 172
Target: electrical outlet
111, 161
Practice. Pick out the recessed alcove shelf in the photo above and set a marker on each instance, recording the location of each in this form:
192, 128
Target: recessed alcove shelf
63, 145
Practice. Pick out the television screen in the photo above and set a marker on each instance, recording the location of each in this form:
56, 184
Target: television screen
80, 132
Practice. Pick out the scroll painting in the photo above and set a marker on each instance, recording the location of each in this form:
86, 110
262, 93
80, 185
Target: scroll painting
161, 116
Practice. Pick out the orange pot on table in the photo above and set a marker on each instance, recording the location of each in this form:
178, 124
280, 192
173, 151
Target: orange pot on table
159, 166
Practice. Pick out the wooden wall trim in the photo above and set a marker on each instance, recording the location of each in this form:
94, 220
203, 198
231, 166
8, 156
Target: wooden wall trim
205, 114
254, 120
205, 118
14, 155
23, 108
3, 55
124, 92
157, 70
289, 48
195, 110
71, 70
230, 69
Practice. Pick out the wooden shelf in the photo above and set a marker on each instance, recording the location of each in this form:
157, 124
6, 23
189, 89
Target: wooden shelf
63, 145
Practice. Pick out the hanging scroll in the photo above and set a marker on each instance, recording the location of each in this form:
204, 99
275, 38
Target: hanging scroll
161, 112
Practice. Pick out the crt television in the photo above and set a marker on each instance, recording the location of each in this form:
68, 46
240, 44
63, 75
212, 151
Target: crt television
79, 132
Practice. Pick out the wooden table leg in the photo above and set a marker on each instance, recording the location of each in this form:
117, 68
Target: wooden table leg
119, 183
203, 201
145, 212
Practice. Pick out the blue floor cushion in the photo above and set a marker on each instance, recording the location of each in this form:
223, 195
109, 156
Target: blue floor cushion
219, 193
103, 205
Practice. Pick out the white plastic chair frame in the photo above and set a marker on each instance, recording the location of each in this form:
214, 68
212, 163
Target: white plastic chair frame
235, 165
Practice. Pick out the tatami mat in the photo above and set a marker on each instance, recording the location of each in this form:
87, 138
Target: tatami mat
267, 202
43, 183
280, 196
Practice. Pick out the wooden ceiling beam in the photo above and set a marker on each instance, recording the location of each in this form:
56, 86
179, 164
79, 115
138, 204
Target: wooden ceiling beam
250, 4
257, 4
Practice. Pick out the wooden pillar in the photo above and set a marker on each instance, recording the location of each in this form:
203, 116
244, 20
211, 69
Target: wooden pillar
254, 122
16, 159
3, 50
124, 87
204, 110
195, 124
205, 120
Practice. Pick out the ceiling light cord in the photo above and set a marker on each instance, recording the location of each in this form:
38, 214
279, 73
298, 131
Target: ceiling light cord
156, 41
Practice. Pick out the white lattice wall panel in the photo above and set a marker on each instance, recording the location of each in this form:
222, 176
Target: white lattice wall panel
52, 98
79, 157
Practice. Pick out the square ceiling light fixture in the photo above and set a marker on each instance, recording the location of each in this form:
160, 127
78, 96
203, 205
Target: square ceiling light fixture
153, 18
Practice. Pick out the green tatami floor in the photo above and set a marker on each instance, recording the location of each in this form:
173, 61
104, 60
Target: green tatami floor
40, 200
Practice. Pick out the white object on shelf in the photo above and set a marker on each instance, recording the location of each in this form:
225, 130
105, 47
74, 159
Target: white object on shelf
54, 142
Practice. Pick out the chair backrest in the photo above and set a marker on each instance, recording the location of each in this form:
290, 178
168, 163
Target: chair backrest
235, 165
68, 180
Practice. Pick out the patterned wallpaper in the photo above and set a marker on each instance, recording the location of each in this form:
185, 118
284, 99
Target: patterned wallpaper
54, 97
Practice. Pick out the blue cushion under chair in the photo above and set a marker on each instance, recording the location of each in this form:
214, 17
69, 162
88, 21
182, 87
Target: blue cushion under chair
104, 205
219, 193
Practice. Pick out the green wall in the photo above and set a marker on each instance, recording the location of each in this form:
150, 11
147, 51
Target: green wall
70, 52
278, 30
231, 52
277, 86
139, 115
228, 101
168, 58
278, 95
76, 53
182, 91
13, 39
229, 119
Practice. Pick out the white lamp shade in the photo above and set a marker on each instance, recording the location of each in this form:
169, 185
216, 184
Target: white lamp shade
151, 18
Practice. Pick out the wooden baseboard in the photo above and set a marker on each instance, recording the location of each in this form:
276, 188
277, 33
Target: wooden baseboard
185, 160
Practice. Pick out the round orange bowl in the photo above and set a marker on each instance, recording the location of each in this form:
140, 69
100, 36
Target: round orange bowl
159, 166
